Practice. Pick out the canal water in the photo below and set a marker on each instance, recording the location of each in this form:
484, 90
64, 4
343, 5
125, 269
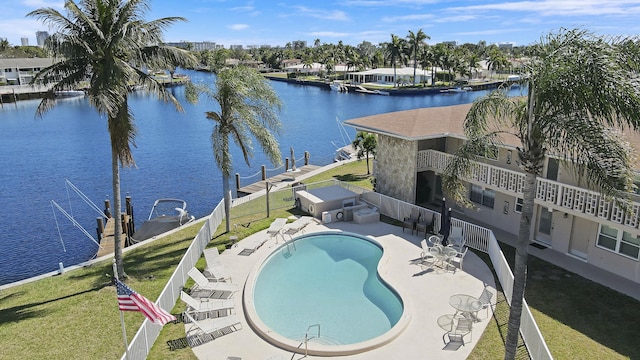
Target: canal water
173, 156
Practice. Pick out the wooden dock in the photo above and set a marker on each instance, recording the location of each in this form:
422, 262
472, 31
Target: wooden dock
286, 177
106, 241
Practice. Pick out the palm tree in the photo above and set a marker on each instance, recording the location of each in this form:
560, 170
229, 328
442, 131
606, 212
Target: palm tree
108, 42
497, 60
248, 108
582, 90
365, 145
395, 52
415, 42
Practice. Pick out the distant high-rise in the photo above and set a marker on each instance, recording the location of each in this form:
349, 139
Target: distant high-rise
41, 37
24, 41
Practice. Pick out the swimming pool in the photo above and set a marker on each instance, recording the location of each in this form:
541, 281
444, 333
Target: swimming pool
327, 281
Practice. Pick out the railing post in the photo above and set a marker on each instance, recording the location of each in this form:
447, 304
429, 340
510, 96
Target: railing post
264, 172
306, 157
286, 164
237, 181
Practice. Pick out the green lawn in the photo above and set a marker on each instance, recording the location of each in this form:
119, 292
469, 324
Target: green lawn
75, 315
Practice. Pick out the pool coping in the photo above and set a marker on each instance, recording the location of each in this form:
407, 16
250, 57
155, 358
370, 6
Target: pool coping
316, 349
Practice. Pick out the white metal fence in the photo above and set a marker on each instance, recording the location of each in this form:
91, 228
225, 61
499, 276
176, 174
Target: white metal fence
148, 333
476, 237
481, 239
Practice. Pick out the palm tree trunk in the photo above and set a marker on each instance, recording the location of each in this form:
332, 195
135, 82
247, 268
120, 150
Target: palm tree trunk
226, 191
115, 211
520, 268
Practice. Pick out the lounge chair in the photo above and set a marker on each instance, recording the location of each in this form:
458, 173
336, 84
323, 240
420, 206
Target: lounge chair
297, 226
276, 226
205, 288
204, 331
208, 308
456, 336
215, 270
411, 220
425, 223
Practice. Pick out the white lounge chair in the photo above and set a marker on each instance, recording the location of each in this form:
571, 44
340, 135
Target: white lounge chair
208, 308
204, 331
297, 226
205, 288
215, 270
251, 245
485, 301
456, 238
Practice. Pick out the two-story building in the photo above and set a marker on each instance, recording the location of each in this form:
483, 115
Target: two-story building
21, 71
414, 147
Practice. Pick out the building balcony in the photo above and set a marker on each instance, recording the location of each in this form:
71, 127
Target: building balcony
551, 194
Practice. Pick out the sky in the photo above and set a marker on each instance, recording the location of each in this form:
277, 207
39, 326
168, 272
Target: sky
276, 23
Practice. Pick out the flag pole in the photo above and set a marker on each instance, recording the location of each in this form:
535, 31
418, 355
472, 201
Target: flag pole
124, 331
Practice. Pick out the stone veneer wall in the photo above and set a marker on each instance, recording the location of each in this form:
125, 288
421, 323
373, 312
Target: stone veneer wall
396, 168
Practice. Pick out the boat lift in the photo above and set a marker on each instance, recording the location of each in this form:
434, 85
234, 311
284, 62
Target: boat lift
70, 217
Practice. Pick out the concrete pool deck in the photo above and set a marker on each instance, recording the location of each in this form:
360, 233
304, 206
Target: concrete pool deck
425, 293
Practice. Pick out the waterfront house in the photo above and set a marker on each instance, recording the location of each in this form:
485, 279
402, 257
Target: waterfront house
413, 148
387, 76
20, 71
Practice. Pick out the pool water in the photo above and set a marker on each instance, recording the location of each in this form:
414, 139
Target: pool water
328, 279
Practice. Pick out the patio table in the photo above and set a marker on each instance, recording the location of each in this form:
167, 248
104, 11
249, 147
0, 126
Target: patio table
443, 254
466, 304
446, 322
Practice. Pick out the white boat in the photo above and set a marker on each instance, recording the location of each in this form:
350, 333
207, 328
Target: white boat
166, 214
339, 86
360, 89
69, 93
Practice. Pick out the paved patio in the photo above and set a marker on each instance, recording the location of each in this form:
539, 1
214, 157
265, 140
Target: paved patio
425, 293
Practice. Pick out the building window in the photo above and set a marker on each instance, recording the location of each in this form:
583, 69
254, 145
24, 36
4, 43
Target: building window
618, 241
517, 207
482, 196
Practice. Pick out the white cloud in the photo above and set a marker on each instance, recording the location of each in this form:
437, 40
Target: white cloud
559, 7
408, 17
321, 14
238, 27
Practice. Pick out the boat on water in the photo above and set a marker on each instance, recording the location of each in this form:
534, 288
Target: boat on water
456, 90
360, 89
69, 93
339, 86
165, 215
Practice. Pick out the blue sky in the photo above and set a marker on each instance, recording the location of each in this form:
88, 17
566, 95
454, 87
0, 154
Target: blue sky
275, 23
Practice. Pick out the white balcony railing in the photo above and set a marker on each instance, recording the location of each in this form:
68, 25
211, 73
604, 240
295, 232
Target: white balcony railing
550, 193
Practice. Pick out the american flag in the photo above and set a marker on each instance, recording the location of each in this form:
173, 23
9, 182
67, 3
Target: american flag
129, 300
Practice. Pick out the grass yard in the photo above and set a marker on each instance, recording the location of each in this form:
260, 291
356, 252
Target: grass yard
75, 315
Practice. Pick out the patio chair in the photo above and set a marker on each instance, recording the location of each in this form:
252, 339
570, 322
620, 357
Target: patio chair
485, 301
204, 288
456, 238
204, 331
215, 270
426, 255
425, 223
459, 258
456, 336
410, 222
208, 308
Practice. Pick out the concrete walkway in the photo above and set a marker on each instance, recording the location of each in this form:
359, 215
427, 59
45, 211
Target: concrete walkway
425, 293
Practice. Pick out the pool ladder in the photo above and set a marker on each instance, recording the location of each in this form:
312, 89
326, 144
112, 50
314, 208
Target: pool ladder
307, 338
287, 250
